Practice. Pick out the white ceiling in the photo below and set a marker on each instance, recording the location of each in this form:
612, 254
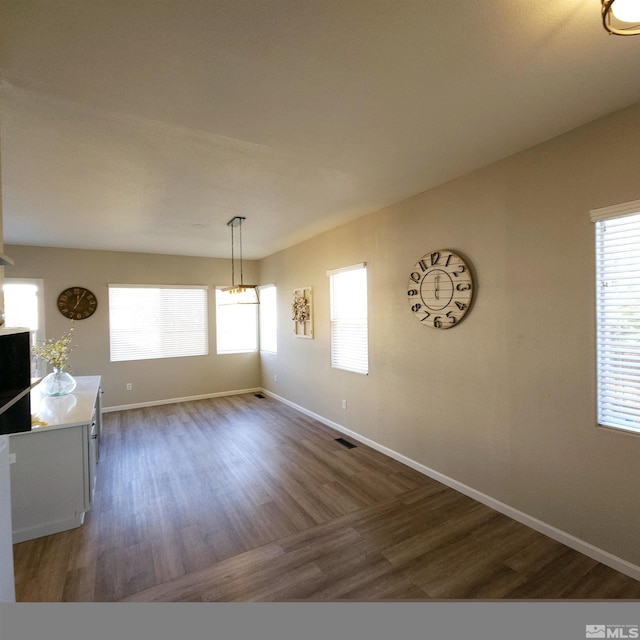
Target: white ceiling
145, 125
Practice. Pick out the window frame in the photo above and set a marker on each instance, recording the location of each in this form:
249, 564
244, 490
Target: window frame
225, 308
274, 338
617, 393
165, 353
38, 335
338, 359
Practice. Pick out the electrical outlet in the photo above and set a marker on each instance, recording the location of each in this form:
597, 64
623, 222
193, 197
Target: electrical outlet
129, 386
344, 404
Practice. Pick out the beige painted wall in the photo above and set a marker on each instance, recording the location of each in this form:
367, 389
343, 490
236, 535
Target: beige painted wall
152, 380
504, 402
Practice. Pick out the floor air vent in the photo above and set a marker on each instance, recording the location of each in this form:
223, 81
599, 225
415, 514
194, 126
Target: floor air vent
259, 395
345, 443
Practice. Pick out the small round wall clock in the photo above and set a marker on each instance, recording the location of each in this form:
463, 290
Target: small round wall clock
77, 303
440, 289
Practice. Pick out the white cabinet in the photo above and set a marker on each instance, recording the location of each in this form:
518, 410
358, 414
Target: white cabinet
7, 580
53, 478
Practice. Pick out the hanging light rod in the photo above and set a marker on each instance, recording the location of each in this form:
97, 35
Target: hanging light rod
618, 13
239, 293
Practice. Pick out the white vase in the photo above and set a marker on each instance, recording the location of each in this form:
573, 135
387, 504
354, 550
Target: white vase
58, 383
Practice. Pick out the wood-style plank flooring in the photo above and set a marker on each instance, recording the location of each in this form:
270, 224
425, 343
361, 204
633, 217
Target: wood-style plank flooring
245, 499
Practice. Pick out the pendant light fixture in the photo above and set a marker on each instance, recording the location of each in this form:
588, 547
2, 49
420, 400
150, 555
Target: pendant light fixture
621, 17
239, 293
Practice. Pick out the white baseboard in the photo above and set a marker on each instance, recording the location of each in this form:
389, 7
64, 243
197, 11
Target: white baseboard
563, 537
48, 528
156, 403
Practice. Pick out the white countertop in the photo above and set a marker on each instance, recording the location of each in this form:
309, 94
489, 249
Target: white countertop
76, 408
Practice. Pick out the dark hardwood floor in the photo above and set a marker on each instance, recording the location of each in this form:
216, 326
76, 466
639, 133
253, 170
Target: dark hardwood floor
245, 499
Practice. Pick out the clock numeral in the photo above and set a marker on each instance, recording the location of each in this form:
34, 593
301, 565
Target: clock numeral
463, 286
453, 319
416, 307
423, 265
412, 292
458, 273
415, 276
437, 322
427, 315
461, 305
435, 256
446, 264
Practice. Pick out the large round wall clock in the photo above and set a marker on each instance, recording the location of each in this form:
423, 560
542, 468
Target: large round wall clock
440, 289
77, 303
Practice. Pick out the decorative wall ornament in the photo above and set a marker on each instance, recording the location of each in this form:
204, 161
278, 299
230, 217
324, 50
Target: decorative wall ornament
302, 312
440, 289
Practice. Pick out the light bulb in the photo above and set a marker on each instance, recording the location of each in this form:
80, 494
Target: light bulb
626, 10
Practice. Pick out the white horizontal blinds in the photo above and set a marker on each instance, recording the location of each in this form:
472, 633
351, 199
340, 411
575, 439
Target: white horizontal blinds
618, 320
157, 321
236, 325
268, 320
349, 323
21, 304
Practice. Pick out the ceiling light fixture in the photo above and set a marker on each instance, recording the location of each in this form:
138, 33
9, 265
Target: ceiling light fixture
618, 13
239, 293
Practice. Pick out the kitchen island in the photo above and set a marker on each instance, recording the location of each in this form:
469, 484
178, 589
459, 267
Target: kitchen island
54, 465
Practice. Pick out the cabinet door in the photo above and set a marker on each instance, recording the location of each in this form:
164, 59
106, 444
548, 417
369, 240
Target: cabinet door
98, 418
48, 481
92, 458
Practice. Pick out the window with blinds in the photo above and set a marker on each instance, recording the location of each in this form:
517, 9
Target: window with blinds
236, 325
24, 307
349, 323
268, 320
617, 231
157, 321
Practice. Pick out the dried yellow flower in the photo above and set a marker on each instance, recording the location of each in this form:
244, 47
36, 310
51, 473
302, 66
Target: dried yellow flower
56, 352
